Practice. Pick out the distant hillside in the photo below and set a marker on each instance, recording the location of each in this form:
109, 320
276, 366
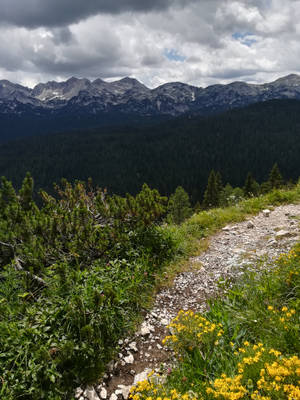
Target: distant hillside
177, 152
82, 104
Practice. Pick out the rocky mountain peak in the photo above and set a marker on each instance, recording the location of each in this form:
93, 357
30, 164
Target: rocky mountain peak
13, 92
125, 84
289, 80
171, 86
60, 90
129, 82
99, 81
5, 83
130, 96
73, 80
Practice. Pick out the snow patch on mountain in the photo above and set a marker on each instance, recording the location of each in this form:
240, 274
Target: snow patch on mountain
128, 95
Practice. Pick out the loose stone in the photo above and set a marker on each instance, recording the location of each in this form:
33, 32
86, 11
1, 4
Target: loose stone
145, 329
282, 233
133, 347
78, 392
141, 376
129, 359
250, 225
90, 393
103, 393
124, 391
113, 397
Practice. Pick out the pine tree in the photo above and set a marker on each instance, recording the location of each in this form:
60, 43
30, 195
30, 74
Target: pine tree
251, 187
219, 185
211, 195
197, 207
26, 192
275, 177
7, 194
179, 206
225, 195
265, 187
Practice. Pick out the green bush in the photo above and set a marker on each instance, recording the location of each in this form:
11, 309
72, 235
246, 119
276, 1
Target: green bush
179, 206
75, 274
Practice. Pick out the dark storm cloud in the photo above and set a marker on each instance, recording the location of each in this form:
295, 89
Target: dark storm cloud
62, 35
232, 74
36, 13
78, 63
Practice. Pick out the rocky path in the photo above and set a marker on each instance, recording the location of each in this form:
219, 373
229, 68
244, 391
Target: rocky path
264, 236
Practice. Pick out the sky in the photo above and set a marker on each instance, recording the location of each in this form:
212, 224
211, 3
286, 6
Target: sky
200, 42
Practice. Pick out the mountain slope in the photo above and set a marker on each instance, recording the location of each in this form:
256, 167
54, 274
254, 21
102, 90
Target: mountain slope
165, 155
80, 103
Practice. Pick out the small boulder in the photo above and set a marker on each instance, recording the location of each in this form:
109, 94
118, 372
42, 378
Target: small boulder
142, 376
250, 225
226, 229
103, 393
129, 359
164, 322
145, 329
282, 234
78, 392
133, 347
90, 393
266, 213
124, 391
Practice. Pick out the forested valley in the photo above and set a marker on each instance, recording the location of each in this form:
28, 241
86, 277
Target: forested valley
165, 155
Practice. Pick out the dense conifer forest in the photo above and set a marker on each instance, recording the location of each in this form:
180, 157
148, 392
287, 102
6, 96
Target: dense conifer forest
165, 155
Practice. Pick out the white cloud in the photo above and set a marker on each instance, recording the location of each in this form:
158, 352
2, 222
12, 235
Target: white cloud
217, 41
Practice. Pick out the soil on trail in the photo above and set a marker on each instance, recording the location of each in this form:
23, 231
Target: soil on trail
263, 237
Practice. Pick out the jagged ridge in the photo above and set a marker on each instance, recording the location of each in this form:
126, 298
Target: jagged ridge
129, 96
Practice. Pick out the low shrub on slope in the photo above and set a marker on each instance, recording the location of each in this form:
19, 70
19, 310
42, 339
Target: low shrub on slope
75, 273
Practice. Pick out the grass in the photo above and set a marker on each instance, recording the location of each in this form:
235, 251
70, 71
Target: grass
246, 347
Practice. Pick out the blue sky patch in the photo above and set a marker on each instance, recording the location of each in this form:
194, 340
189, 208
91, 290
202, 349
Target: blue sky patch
244, 38
173, 55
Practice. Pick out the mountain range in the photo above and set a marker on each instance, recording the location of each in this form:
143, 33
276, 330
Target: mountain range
81, 103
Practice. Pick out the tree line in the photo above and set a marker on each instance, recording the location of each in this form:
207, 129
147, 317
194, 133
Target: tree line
218, 195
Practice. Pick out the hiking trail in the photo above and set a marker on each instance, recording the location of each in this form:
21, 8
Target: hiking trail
261, 237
